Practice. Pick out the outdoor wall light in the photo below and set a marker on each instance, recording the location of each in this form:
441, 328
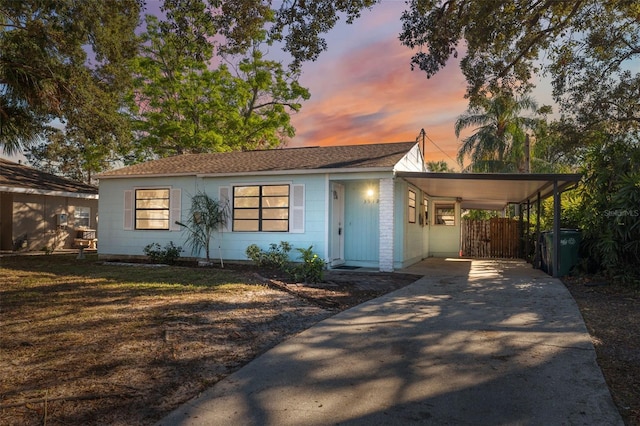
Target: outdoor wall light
370, 196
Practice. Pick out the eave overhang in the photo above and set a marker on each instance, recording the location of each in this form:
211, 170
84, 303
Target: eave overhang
490, 191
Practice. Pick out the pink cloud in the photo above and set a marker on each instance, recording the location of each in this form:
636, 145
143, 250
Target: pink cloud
370, 95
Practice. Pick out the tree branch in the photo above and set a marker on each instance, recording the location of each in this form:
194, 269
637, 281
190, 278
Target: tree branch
539, 37
288, 104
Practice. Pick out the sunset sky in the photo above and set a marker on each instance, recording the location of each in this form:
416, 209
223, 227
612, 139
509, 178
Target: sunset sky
363, 90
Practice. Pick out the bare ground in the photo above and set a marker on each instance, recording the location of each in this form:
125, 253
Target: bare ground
80, 349
612, 315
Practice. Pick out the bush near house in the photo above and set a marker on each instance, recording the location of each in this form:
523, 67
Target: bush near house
312, 267
277, 257
169, 254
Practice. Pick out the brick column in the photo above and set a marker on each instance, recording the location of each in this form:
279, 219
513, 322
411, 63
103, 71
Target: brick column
386, 225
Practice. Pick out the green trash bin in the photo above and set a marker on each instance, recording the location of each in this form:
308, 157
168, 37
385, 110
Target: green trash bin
569, 246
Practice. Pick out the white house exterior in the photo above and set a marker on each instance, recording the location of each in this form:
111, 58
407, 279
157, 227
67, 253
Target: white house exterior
370, 206
345, 201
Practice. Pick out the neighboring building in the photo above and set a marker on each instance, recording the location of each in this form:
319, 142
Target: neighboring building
40, 211
359, 205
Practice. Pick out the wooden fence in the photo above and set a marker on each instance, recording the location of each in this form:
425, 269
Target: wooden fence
496, 237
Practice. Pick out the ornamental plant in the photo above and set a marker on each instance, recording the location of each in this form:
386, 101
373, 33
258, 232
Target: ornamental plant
206, 215
169, 254
276, 257
312, 267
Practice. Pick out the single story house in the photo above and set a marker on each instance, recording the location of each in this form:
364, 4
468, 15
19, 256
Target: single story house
40, 210
373, 205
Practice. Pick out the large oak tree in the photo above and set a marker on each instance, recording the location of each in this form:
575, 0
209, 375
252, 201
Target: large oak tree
589, 48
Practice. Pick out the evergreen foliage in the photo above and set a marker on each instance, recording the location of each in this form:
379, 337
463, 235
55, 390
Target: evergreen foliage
206, 216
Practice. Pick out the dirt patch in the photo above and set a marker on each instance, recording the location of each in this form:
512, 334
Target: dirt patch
341, 290
83, 345
612, 316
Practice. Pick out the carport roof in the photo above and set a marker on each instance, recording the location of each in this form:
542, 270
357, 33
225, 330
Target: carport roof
490, 191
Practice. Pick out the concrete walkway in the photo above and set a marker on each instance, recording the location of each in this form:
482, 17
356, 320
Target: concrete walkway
473, 342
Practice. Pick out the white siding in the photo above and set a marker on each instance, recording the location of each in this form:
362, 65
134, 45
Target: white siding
412, 161
113, 238
118, 241
386, 225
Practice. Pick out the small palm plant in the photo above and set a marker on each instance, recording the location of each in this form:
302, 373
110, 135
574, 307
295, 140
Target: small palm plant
206, 215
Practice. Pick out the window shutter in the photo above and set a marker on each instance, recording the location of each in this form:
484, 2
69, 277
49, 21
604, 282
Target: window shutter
296, 211
128, 210
225, 200
175, 209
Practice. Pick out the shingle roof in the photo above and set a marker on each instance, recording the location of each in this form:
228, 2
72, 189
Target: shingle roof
384, 155
24, 178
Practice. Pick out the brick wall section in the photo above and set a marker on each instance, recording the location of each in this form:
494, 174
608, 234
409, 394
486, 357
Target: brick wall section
386, 225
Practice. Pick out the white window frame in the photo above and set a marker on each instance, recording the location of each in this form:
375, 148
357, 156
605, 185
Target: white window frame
82, 213
412, 207
296, 205
261, 208
175, 205
443, 205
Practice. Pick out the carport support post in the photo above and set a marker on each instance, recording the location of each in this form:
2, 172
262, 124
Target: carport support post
521, 236
537, 257
527, 248
556, 230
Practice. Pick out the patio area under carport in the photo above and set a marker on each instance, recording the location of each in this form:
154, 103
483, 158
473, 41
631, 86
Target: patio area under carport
495, 191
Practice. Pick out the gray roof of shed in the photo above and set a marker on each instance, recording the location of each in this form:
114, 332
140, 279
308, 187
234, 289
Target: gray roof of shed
371, 156
15, 177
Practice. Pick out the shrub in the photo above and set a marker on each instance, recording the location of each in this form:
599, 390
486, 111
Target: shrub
169, 254
312, 266
277, 256
610, 210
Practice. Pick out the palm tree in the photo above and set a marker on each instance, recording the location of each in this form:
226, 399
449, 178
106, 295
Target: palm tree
206, 215
439, 166
497, 145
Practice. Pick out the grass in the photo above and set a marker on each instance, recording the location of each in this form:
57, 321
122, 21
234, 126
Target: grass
85, 342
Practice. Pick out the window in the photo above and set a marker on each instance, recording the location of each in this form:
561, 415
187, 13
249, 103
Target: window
152, 208
445, 214
82, 217
262, 208
412, 206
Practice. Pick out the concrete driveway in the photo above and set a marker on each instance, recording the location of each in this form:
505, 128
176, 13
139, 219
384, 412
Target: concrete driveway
473, 342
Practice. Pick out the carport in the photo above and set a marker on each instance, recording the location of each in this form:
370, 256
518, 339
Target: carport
495, 191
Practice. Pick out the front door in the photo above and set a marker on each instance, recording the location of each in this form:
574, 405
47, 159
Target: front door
337, 224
